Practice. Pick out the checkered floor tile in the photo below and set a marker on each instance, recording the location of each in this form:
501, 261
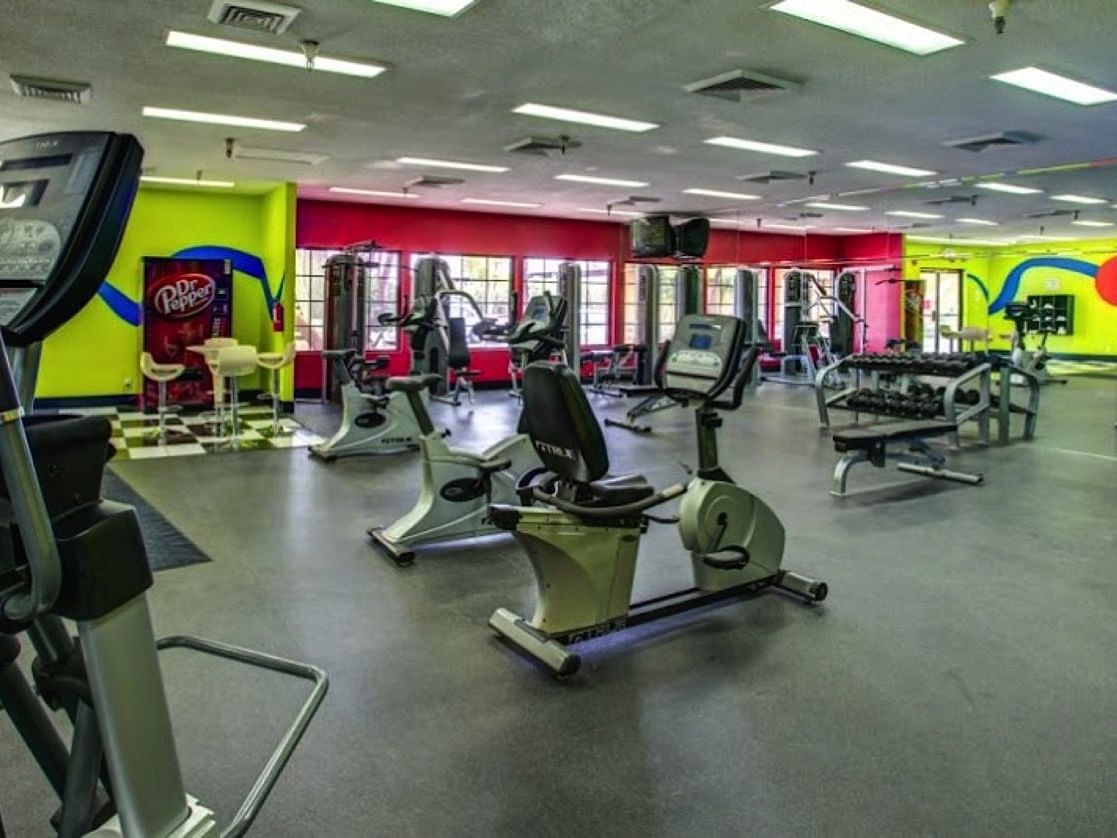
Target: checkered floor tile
135, 435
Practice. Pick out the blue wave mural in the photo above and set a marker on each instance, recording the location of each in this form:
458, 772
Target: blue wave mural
1012, 281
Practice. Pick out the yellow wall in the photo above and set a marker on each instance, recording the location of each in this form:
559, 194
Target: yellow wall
97, 353
1095, 320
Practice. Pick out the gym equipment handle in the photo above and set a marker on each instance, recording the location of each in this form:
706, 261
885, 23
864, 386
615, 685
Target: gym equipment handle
634, 508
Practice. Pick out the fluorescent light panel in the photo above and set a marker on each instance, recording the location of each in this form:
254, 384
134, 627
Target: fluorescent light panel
449, 164
1084, 223
599, 211
1059, 87
851, 230
910, 214
869, 23
978, 222
943, 240
185, 181
889, 168
223, 119
584, 117
375, 193
1079, 199
288, 58
446, 8
715, 193
826, 205
493, 203
1008, 188
798, 228
762, 148
600, 181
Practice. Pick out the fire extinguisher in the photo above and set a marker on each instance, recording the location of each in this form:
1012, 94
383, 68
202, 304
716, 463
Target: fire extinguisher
277, 317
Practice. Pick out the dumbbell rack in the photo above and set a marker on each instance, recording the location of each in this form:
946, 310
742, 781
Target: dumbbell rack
904, 373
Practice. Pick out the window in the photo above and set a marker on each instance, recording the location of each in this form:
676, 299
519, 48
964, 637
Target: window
381, 294
487, 279
721, 291
668, 317
542, 275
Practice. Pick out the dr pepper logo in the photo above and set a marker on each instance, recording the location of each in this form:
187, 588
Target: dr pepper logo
182, 296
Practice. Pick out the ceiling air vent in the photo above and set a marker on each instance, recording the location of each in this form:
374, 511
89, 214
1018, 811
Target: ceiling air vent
58, 91
542, 146
771, 177
276, 155
258, 15
993, 142
432, 181
954, 199
737, 85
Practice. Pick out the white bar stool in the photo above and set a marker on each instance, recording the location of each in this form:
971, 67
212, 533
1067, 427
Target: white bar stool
232, 362
275, 361
160, 374
210, 348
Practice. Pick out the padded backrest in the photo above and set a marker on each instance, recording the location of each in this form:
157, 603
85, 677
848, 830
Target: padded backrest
457, 355
561, 424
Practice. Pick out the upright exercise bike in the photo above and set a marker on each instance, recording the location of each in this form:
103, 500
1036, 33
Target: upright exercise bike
582, 530
457, 485
1032, 361
373, 422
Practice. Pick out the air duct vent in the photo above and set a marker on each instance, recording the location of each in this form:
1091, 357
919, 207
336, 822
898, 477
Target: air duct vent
771, 177
993, 142
954, 199
737, 85
58, 91
276, 155
258, 15
1058, 213
432, 181
543, 146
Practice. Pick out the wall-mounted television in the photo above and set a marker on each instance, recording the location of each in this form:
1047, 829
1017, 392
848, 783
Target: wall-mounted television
653, 237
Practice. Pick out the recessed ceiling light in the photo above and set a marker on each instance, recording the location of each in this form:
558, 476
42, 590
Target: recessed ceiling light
1009, 188
1043, 238
944, 240
851, 230
601, 181
375, 193
288, 58
869, 23
449, 164
599, 211
889, 168
222, 119
798, 228
584, 117
826, 205
979, 222
714, 193
911, 214
492, 203
446, 8
1079, 199
1084, 223
763, 148
186, 181
1060, 87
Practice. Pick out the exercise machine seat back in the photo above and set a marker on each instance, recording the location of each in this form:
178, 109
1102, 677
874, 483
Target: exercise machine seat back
562, 425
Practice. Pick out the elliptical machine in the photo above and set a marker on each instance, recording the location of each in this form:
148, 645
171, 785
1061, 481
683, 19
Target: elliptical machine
374, 422
581, 529
1031, 361
457, 485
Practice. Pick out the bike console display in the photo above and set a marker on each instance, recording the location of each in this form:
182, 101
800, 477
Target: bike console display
702, 358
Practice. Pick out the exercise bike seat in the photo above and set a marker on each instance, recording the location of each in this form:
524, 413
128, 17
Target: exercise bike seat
487, 467
618, 491
411, 383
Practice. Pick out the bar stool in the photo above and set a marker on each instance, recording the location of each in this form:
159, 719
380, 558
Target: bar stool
232, 362
275, 361
210, 348
161, 374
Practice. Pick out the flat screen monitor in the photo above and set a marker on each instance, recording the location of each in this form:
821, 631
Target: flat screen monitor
652, 237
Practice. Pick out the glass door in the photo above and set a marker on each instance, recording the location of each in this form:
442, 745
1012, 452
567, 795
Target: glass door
942, 309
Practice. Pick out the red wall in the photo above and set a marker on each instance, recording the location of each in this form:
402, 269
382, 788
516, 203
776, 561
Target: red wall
418, 230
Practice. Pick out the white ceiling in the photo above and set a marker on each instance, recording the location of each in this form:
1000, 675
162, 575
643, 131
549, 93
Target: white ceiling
453, 83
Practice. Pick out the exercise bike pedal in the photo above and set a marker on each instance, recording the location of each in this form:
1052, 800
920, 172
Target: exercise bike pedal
727, 558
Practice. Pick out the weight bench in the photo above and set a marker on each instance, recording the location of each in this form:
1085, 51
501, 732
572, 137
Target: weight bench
870, 444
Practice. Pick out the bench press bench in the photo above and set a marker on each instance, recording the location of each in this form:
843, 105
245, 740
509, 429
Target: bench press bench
871, 444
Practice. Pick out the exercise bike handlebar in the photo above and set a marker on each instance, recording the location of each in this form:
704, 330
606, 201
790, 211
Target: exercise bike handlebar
625, 510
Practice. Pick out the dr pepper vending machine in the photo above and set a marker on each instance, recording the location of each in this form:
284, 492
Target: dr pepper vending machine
186, 302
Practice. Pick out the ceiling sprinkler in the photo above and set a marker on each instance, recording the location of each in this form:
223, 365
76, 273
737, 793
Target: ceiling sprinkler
999, 10
310, 50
